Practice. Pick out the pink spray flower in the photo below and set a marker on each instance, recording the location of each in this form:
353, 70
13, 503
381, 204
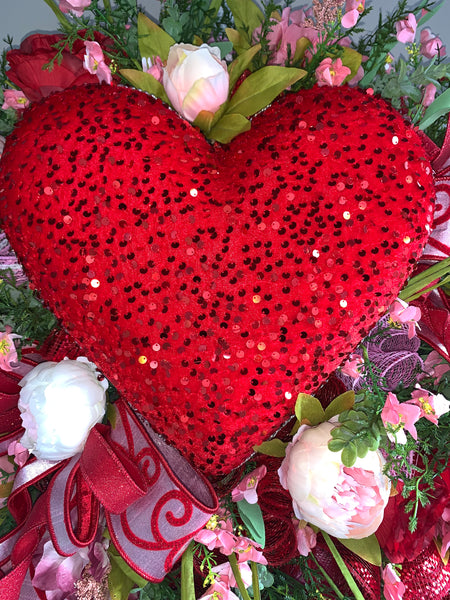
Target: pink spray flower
246, 490
429, 95
306, 538
406, 29
19, 452
432, 406
353, 10
226, 574
444, 531
218, 533
94, 62
74, 6
14, 99
8, 352
154, 67
393, 586
400, 312
352, 366
219, 591
436, 366
331, 72
247, 549
430, 45
397, 417
7, 475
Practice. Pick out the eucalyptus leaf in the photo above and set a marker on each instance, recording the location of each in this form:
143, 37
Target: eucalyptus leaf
437, 109
252, 518
153, 41
273, 447
261, 88
309, 408
247, 16
228, 127
361, 447
145, 82
335, 445
367, 548
349, 455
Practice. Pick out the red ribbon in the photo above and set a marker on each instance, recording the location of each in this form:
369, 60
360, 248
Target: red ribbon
153, 500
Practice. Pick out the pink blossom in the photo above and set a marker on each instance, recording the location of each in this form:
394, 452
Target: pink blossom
14, 99
74, 6
406, 29
430, 45
331, 72
393, 586
7, 478
8, 352
429, 95
246, 490
400, 312
353, 10
94, 62
398, 416
247, 549
444, 530
306, 538
218, 534
56, 574
352, 366
154, 67
19, 452
219, 591
226, 574
431, 406
436, 366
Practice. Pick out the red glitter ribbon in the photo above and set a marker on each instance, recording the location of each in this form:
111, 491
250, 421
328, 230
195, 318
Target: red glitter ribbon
154, 501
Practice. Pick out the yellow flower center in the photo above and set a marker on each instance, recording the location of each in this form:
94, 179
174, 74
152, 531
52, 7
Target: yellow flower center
426, 406
251, 482
213, 522
360, 7
5, 347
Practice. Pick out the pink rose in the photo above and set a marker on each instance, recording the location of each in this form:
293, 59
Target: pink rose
74, 6
406, 29
346, 502
14, 99
331, 72
430, 45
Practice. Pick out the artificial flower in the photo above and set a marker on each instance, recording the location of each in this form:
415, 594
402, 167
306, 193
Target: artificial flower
402, 313
15, 99
429, 95
432, 406
59, 404
331, 72
195, 79
154, 67
430, 45
27, 66
352, 366
352, 11
227, 577
397, 417
94, 62
8, 352
393, 586
436, 366
346, 502
219, 591
306, 537
74, 6
7, 476
406, 29
246, 490
248, 550
218, 533
19, 452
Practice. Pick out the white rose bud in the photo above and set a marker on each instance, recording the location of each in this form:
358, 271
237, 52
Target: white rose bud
59, 404
195, 79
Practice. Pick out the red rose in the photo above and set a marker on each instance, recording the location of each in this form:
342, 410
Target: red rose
26, 65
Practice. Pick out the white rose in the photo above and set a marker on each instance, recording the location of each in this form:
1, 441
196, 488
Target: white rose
59, 404
195, 79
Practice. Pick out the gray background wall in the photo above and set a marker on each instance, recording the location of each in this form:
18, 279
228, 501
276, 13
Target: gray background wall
22, 17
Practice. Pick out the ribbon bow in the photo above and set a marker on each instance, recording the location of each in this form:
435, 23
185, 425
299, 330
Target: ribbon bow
153, 500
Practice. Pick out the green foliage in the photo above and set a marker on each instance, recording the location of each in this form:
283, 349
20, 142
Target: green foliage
185, 21
252, 518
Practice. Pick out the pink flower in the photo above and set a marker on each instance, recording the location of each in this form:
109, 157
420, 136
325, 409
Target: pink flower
396, 417
247, 549
406, 29
7, 474
352, 366
8, 352
218, 534
393, 587
74, 6
154, 68
431, 406
306, 538
227, 577
19, 452
346, 502
436, 366
444, 530
429, 95
56, 574
331, 72
219, 591
430, 45
246, 490
94, 62
400, 312
14, 99
353, 10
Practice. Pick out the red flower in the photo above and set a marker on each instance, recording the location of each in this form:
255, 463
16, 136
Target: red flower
26, 65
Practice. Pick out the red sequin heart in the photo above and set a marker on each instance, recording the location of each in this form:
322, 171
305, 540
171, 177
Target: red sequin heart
212, 284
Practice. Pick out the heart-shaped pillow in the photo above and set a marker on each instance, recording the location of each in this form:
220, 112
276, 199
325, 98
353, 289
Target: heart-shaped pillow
212, 284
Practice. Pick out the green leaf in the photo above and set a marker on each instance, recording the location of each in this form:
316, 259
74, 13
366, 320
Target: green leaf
261, 88
368, 549
247, 16
153, 41
273, 447
145, 82
301, 46
204, 120
437, 109
309, 408
241, 63
430, 13
127, 571
351, 59
343, 402
335, 445
252, 518
240, 44
224, 47
362, 447
228, 127
349, 455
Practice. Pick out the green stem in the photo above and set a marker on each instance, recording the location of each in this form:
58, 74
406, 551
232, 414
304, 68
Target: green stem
255, 581
59, 14
187, 574
418, 285
330, 582
237, 575
343, 567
